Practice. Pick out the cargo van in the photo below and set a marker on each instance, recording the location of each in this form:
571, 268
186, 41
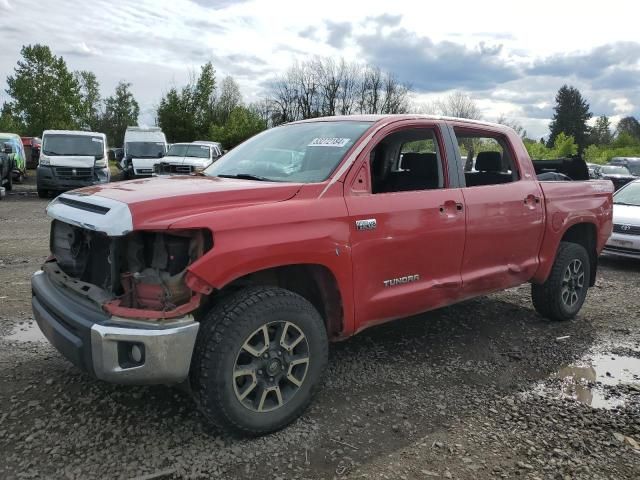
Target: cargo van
17, 154
71, 159
143, 149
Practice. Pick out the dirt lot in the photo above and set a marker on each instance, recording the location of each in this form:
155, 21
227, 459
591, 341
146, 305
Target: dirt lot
484, 389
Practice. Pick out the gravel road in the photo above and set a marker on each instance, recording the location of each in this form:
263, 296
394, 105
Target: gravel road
483, 389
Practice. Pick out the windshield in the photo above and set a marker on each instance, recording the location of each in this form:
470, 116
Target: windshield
177, 150
614, 170
303, 152
634, 168
188, 150
145, 149
629, 195
73, 145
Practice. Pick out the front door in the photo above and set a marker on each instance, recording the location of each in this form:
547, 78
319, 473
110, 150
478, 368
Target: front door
407, 227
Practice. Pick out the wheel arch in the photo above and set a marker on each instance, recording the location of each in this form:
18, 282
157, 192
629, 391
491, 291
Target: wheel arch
314, 282
585, 234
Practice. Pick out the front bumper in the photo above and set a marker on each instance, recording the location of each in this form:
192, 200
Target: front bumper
623, 245
104, 346
69, 178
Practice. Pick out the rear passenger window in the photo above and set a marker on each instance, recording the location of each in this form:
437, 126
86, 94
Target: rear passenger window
405, 161
487, 160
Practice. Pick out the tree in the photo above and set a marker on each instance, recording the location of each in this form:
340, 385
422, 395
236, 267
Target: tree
571, 115
242, 124
600, 133
90, 102
44, 93
230, 98
564, 146
120, 111
8, 121
630, 126
460, 105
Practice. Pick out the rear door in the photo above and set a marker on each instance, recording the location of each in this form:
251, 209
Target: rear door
407, 224
505, 219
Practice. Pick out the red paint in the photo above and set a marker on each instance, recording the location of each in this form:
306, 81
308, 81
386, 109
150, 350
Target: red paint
503, 235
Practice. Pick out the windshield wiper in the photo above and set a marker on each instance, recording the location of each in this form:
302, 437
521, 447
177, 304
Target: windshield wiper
246, 176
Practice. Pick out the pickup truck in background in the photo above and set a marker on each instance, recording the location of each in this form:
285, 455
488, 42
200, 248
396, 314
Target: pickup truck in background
236, 280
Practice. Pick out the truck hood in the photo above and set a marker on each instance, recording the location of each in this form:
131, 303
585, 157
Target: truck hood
159, 201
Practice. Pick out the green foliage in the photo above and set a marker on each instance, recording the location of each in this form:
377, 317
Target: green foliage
120, 111
537, 150
571, 115
600, 133
89, 112
564, 146
625, 145
9, 122
187, 115
242, 124
629, 126
45, 94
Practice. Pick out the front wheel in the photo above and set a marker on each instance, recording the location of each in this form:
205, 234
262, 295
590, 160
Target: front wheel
259, 360
562, 295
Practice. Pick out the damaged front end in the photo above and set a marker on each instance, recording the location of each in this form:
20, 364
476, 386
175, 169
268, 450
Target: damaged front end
142, 275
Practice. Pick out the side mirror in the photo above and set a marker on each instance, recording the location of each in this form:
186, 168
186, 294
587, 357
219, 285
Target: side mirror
119, 155
111, 155
8, 149
160, 154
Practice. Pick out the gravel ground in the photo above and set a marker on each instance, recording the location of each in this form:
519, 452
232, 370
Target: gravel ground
483, 389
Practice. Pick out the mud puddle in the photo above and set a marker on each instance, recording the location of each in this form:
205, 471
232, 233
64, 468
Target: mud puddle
602, 380
27, 332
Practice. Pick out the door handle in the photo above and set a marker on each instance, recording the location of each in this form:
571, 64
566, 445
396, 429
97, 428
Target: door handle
530, 200
451, 207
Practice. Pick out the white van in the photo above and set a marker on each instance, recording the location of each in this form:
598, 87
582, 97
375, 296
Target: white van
71, 159
186, 158
143, 149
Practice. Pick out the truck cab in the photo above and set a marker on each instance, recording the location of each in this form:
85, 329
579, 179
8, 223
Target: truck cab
144, 147
71, 159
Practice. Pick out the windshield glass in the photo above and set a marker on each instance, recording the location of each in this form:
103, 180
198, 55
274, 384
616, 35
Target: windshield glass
614, 170
72, 145
634, 168
303, 152
629, 195
177, 150
198, 151
144, 149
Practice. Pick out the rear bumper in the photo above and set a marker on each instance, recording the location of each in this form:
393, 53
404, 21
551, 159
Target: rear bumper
46, 179
104, 346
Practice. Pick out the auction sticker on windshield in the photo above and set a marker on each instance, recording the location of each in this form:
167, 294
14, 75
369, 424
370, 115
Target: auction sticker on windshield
329, 142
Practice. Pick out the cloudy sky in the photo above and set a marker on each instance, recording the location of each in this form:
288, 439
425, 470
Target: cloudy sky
511, 58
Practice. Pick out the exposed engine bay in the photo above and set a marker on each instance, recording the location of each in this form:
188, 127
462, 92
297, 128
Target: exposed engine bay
144, 271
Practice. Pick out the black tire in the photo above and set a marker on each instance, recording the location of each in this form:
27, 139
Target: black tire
561, 298
43, 193
224, 334
9, 184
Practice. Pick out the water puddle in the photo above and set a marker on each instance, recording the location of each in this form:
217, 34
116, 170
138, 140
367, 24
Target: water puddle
27, 332
602, 380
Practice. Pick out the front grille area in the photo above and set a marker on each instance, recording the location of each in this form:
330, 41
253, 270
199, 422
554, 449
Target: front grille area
626, 229
71, 172
81, 253
167, 169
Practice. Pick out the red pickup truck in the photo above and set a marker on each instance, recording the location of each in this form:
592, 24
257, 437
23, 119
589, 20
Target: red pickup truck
235, 281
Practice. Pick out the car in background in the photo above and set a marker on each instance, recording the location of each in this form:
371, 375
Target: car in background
592, 169
6, 169
625, 239
632, 164
187, 158
71, 159
618, 175
143, 149
18, 155
32, 146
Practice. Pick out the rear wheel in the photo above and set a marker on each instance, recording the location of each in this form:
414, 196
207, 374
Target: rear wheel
259, 360
561, 297
42, 193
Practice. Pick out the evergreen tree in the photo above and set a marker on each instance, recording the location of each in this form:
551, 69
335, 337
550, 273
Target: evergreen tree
630, 126
121, 110
600, 133
571, 115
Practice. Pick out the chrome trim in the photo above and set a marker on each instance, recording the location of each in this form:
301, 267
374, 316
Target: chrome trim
366, 224
167, 353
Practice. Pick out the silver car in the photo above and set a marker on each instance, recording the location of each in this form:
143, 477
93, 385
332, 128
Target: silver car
625, 239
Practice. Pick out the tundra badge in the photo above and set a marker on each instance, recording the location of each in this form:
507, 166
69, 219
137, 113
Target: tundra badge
401, 280
368, 224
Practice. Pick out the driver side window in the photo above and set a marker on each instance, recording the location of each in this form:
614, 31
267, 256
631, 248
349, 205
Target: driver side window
406, 161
